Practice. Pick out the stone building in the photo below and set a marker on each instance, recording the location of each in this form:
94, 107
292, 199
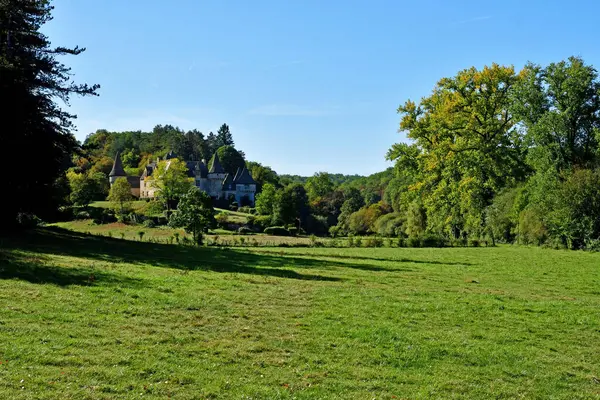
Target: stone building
215, 181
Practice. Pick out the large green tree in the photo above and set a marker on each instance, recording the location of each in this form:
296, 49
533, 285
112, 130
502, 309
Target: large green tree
319, 185
170, 180
291, 206
467, 146
230, 158
32, 81
560, 108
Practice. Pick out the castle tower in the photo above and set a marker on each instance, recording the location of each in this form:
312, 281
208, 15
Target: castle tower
117, 170
216, 175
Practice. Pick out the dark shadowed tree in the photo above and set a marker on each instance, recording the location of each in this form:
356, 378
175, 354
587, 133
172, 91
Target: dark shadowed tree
32, 80
224, 137
230, 158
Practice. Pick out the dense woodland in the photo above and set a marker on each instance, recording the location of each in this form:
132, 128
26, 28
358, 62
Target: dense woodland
494, 154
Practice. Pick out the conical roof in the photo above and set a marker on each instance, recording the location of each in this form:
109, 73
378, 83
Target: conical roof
216, 167
117, 169
228, 183
244, 178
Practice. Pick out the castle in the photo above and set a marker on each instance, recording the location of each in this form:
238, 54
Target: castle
215, 181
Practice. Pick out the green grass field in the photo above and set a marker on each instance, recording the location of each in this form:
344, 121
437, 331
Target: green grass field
88, 317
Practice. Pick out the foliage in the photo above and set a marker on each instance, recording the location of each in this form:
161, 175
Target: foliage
231, 159
318, 185
194, 213
291, 206
363, 221
32, 80
87, 187
170, 181
390, 225
120, 196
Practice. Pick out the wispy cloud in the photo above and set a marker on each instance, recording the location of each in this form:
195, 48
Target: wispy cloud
472, 20
291, 110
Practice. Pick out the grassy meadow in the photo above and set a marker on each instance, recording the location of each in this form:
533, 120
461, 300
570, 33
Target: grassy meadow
90, 317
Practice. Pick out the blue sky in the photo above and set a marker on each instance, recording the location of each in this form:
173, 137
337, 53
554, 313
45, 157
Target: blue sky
305, 85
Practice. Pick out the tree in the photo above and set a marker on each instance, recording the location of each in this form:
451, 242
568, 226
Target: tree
170, 181
31, 82
319, 185
291, 206
224, 137
230, 159
194, 213
560, 108
467, 146
262, 174
120, 195
86, 187
266, 199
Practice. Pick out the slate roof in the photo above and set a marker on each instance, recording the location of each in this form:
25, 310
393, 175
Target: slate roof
134, 181
117, 169
171, 154
216, 167
244, 178
228, 183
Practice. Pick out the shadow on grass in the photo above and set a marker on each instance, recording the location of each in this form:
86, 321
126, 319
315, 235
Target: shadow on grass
37, 269
67, 243
388, 259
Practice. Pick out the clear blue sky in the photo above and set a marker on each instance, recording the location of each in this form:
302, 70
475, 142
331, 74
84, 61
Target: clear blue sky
305, 85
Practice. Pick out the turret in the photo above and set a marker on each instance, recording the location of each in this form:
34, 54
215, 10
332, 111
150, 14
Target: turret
117, 170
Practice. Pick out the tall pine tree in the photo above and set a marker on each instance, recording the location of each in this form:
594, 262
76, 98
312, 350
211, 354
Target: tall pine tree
36, 138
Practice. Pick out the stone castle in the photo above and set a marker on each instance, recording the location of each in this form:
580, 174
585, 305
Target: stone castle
216, 182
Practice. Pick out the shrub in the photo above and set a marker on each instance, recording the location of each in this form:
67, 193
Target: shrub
474, 243
413, 241
141, 235
244, 230
293, 231
260, 222
431, 240
149, 223
28, 220
277, 231
247, 210
233, 206
222, 219
82, 215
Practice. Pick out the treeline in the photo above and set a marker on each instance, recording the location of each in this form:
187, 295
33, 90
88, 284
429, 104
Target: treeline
505, 156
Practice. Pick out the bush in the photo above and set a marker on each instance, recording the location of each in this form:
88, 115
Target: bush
28, 220
233, 206
260, 222
374, 242
293, 231
82, 215
221, 219
149, 223
277, 231
413, 241
244, 230
247, 210
430, 240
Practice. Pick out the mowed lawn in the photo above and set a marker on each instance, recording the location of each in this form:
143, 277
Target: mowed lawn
84, 317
